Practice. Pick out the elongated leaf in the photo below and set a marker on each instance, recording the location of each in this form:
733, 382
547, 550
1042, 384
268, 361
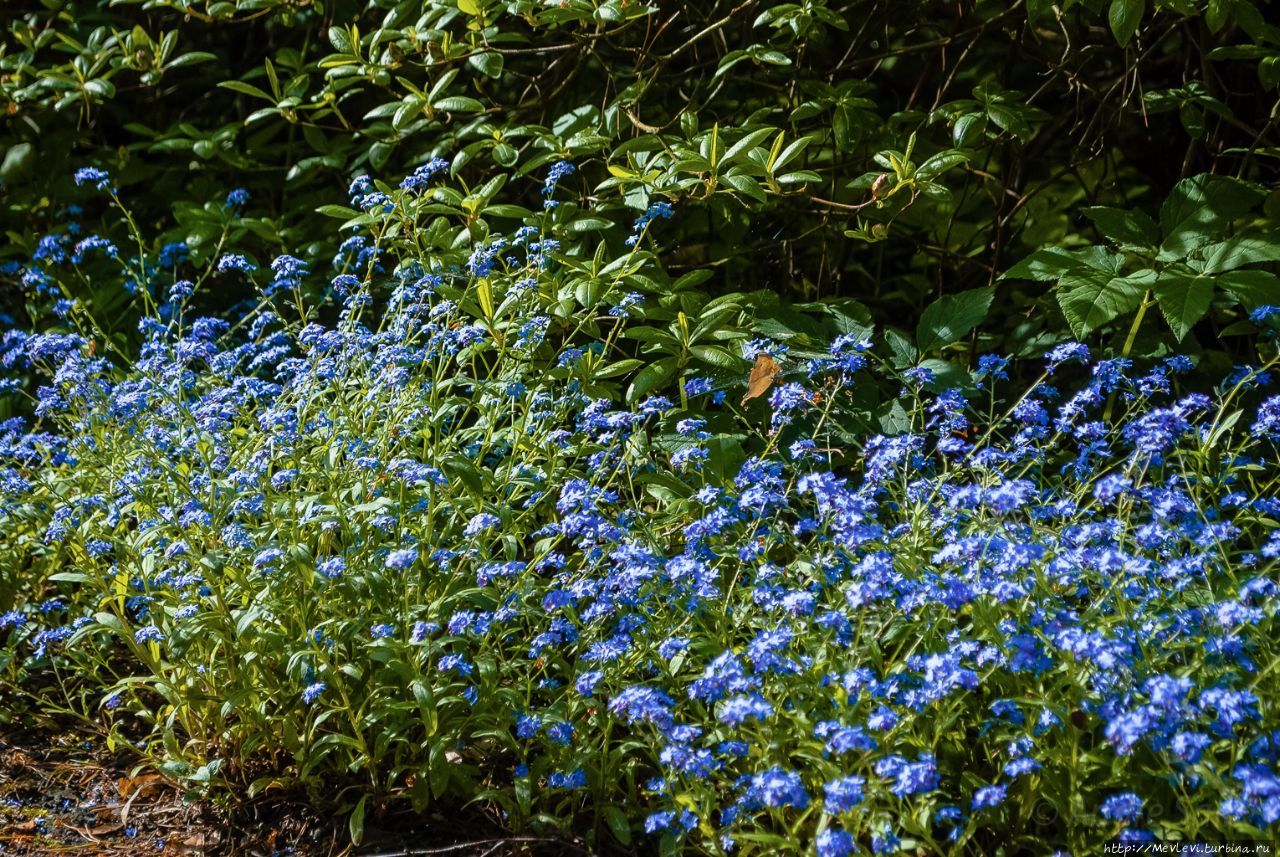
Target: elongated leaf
458, 104
940, 163
745, 185
951, 317
651, 377
246, 89
355, 824
747, 143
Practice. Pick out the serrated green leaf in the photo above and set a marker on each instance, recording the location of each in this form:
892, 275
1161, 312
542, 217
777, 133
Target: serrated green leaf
1251, 287
1127, 229
903, 352
951, 317
1053, 263
1239, 251
1183, 300
1091, 299
1198, 208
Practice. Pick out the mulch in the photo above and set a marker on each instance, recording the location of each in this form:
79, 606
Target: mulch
64, 793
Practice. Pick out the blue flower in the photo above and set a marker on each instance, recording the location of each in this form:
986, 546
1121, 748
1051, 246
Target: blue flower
576, 779
402, 559
1124, 806
100, 179
739, 709
148, 634
235, 262
1267, 423
481, 522
834, 842
776, 787
843, 794
643, 704
1066, 353
987, 797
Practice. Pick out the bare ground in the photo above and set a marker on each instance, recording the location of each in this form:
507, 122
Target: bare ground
63, 793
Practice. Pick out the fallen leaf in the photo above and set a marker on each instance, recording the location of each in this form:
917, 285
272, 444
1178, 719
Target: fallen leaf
762, 375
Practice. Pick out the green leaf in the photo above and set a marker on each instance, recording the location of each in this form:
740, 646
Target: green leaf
903, 353
745, 185
951, 317
1008, 119
1198, 208
191, 58
1252, 288
652, 377
1036, 9
458, 104
339, 211
1183, 300
355, 824
341, 40
438, 770
940, 163
488, 63
618, 824
1216, 14
1091, 299
1239, 251
968, 128
1052, 263
746, 144
622, 367
773, 57
947, 375
1124, 17
71, 577
1128, 229
246, 89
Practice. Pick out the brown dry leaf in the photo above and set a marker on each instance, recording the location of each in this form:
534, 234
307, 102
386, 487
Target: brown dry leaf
762, 375
129, 785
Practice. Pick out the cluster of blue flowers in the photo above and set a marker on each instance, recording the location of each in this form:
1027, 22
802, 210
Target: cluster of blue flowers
425, 544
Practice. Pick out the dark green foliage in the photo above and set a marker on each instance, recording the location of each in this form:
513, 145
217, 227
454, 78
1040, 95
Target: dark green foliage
889, 152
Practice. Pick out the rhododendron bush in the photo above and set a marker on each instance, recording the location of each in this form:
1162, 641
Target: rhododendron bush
440, 539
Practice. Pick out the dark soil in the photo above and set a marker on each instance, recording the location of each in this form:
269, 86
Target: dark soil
63, 793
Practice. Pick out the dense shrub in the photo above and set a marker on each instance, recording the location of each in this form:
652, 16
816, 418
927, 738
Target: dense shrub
992, 129
463, 543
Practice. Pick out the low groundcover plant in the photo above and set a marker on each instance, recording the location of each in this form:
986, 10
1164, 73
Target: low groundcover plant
410, 543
